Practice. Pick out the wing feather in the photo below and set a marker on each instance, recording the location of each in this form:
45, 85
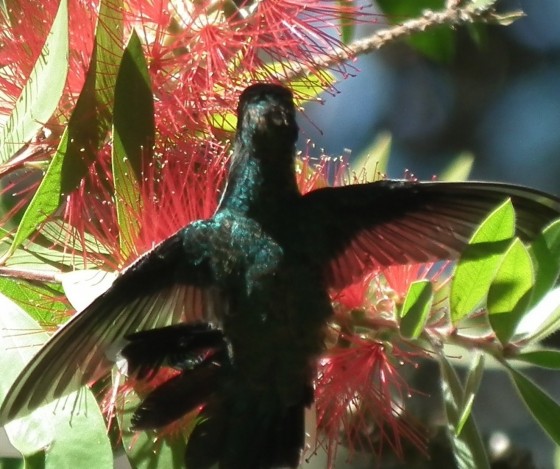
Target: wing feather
371, 226
162, 288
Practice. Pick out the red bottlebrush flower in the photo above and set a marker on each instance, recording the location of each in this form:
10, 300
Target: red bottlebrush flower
397, 278
179, 190
360, 399
322, 172
199, 55
355, 296
175, 190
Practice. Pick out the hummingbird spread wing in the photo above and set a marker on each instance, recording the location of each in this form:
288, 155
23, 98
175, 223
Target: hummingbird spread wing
161, 288
369, 226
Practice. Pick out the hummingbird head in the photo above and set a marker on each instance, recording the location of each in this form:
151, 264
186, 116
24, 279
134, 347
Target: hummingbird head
266, 117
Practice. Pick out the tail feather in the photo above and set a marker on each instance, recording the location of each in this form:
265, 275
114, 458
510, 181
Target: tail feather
176, 397
264, 438
238, 426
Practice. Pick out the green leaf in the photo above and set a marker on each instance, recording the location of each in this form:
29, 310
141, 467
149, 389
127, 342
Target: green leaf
459, 169
18, 463
509, 294
471, 388
45, 201
42, 91
468, 448
306, 89
35, 461
480, 260
59, 428
86, 130
347, 22
147, 449
226, 121
542, 320
545, 252
416, 308
544, 358
437, 43
543, 408
38, 300
133, 138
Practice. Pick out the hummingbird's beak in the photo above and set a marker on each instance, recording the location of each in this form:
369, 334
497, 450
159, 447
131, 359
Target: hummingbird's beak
280, 118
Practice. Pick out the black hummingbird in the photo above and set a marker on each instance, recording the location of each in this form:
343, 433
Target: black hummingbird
238, 302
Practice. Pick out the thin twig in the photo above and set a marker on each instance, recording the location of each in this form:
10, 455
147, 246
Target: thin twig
453, 16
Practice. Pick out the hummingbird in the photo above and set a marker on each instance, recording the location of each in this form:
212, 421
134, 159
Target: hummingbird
238, 303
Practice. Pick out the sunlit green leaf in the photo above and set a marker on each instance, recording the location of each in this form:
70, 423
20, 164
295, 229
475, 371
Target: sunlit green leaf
86, 130
416, 308
542, 320
45, 201
543, 408
480, 261
61, 427
306, 89
226, 121
133, 138
509, 294
38, 299
545, 252
42, 91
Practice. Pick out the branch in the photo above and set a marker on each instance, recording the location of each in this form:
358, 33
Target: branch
452, 16
52, 276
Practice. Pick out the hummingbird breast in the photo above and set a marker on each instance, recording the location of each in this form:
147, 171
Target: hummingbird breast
277, 308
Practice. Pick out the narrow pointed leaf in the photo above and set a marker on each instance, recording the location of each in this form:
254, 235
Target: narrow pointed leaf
509, 294
416, 308
542, 320
543, 358
347, 23
133, 132
468, 448
543, 408
41, 94
480, 261
471, 388
86, 130
545, 252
